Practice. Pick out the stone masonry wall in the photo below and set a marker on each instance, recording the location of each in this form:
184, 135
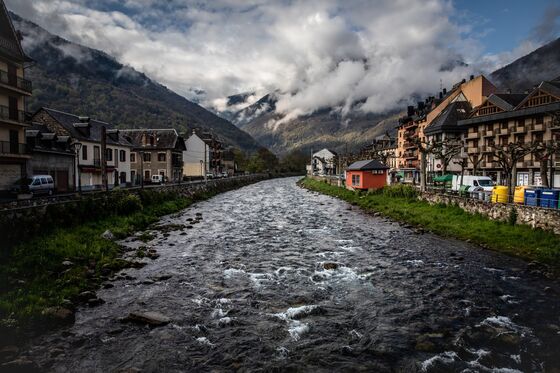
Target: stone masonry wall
535, 217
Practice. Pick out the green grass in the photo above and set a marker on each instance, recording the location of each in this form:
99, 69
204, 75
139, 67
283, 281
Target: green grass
452, 221
33, 276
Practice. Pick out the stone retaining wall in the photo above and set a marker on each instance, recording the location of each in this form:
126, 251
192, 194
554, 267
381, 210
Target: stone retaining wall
536, 217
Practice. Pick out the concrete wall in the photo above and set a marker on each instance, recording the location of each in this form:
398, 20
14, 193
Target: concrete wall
535, 217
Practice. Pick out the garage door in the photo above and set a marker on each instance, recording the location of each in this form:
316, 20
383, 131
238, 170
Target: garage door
61, 181
9, 174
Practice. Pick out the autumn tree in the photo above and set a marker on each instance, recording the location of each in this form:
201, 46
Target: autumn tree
445, 150
507, 155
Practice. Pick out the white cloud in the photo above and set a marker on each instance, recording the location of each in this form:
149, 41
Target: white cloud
315, 53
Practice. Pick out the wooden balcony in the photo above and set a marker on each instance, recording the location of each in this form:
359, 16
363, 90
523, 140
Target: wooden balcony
488, 133
11, 81
473, 150
11, 114
472, 135
518, 130
504, 131
537, 127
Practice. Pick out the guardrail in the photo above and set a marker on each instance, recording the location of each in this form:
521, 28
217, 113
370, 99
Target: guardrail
15, 81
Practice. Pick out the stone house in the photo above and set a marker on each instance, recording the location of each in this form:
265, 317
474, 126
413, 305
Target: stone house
156, 152
87, 133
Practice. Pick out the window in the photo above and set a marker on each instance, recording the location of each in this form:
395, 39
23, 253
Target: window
96, 154
161, 157
109, 155
44, 180
132, 157
84, 152
122, 156
355, 180
147, 157
116, 157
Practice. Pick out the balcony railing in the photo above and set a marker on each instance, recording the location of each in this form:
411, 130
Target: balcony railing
488, 133
504, 131
15, 81
537, 127
472, 135
7, 113
7, 147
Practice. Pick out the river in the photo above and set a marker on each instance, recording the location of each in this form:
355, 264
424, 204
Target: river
274, 277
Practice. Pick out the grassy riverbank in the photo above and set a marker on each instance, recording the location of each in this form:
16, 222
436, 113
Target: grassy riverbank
400, 204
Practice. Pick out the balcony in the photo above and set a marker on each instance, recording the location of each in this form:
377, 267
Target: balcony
504, 131
472, 135
15, 82
533, 164
409, 145
7, 113
488, 133
473, 150
518, 130
13, 148
537, 127
521, 164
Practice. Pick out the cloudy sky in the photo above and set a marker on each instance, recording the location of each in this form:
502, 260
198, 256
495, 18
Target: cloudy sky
314, 54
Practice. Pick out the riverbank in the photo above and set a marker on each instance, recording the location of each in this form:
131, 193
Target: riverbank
402, 205
44, 278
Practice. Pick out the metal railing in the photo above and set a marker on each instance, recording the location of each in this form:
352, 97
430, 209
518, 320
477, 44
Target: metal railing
15, 81
7, 113
8, 147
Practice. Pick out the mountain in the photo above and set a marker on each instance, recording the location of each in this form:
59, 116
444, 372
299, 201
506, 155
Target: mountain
70, 77
525, 72
326, 128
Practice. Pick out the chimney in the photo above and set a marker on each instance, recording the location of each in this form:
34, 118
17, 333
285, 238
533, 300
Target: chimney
472, 77
463, 81
410, 111
421, 105
444, 91
84, 119
440, 95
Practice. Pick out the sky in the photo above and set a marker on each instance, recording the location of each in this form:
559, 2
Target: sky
367, 55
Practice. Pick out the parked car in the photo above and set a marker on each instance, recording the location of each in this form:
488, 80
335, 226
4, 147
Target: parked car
483, 182
37, 184
225, 174
209, 175
157, 179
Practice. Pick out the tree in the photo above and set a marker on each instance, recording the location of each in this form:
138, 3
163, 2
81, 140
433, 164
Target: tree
545, 150
445, 150
507, 156
294, 161
475, 159
424, 148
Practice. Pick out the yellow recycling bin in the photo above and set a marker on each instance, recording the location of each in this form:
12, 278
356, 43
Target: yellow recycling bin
519, 194
500, 194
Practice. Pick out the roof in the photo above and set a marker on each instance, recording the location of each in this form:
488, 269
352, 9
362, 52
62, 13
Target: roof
371, 164
10, 45
447, 120
511, 99
47, 141
67, 121
511, 114
166, 138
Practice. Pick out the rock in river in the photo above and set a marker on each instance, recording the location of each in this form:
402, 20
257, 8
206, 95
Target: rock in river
148, 318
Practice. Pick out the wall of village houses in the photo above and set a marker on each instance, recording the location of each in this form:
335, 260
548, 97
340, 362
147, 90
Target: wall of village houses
90, 155
154, 166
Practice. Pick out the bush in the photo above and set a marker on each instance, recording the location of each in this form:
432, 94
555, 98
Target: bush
400, 190
128, 204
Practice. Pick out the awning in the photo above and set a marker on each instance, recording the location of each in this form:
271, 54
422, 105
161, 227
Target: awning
443, 178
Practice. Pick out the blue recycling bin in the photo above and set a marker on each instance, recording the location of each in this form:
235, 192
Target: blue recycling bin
532, 196
549, 198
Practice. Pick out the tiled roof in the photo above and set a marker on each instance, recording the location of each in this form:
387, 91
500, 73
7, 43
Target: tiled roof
447, 120
165, 138
367, 165
67, 121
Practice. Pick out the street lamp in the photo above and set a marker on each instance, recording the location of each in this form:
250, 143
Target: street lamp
201, 165
77, 147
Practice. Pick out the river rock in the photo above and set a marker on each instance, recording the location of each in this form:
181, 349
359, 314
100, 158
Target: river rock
108, 235
148, 318
22, 364
67, 263
330, 266
108, 285
59, 315
86, 295
93, 302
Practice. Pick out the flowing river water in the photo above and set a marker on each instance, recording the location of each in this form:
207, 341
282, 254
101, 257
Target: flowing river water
276, 278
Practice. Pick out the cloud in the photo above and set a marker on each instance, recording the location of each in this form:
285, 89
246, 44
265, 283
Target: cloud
549, 26
314, 53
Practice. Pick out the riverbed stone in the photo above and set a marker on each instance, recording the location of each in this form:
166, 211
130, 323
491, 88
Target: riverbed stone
22, 364
108, 235
330, 265
59, 315
149, 318
8, 352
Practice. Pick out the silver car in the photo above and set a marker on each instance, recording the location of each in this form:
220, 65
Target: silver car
37, 184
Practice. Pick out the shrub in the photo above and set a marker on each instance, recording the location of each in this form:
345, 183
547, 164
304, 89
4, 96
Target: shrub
400, 190
512, 218
128, 204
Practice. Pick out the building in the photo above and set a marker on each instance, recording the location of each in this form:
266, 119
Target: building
228, 162
368, 174
383, 148
411, 127
53, 155
87, 134
14, 89
155, 152
504, 119
204, 155
323, 163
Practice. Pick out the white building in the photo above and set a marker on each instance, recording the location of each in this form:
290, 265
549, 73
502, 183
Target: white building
323, 163
196, 159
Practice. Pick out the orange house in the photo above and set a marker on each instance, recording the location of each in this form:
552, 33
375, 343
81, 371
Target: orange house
369, 174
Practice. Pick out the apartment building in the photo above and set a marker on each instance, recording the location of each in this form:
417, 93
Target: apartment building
418, 119
204, 154
156, 152
14, 89
87, 133
515, 118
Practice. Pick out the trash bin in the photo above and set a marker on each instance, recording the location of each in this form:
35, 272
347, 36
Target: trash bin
549, 198
519, 194
532, 196
464, 190
500, 194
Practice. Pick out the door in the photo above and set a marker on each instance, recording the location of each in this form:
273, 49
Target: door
13, 108
14, 142
96, 156
12, 75
61, 179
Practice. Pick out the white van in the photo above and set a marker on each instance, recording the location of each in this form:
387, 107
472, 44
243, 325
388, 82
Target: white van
157, 179
37, 184
483, 182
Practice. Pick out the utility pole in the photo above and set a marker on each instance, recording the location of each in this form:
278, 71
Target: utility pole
205, 173
141, 154
104, 158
